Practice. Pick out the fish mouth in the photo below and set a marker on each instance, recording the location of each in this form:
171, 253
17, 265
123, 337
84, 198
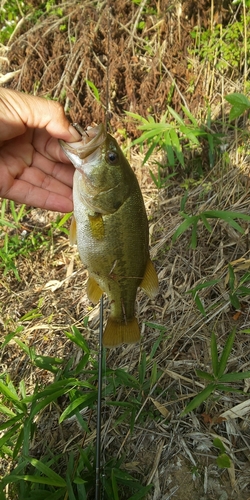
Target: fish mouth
87, 150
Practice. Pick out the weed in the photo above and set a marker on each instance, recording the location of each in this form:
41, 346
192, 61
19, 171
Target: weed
218, 380
239, 104
223, 460
18, 242
225, 46
93, 88
76, 385
12, 11
191, 221
174, 137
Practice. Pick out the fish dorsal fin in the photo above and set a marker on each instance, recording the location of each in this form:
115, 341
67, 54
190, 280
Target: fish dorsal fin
72, 231
150, 283
96, 226
117, 333
94, 292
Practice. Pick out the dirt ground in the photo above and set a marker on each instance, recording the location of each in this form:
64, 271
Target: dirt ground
146, 68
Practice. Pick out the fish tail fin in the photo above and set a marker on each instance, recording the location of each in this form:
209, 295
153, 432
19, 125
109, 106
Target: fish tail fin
117, 333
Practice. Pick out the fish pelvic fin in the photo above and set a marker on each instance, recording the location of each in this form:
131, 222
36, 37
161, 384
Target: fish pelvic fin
117, 333
72, 231
94, 292
150, 283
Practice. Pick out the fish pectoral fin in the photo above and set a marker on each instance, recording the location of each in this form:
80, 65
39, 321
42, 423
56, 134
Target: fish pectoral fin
96, 226
117, 333
94, 292
72, 231
150, 283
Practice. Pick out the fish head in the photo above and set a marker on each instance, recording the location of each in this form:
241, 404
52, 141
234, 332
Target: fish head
104, 178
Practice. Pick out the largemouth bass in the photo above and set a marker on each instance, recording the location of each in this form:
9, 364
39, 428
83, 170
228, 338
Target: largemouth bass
111, 230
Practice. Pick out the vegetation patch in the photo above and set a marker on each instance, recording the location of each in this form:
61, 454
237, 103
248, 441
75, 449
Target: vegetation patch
176, 406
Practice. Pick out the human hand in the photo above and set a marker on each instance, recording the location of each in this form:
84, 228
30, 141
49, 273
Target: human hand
33, 168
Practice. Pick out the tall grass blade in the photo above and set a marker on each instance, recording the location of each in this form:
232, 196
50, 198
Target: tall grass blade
226, 353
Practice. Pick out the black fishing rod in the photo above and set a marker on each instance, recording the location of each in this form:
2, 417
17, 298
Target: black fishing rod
100, 352
99, 409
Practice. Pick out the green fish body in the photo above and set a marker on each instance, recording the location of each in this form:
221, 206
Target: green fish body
111, 229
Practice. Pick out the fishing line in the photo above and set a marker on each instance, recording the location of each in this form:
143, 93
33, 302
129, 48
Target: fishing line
98, 488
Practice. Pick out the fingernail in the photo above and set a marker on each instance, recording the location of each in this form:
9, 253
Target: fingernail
74, 133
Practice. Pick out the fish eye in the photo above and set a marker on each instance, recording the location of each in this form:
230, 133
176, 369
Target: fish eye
112, 157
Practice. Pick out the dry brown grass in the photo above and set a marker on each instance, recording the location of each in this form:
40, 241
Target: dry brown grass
175, 453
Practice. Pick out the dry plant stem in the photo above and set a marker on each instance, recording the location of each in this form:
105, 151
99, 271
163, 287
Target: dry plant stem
142, 5
245, 43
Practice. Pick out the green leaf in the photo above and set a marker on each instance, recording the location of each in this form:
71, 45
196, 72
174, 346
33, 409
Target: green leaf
83, 401
238, 98
235, 225
203, 285
205, 375
197, 400
142, 368
231, 280
226, 353
141, 493
233, 377
193, 243
240, 103
92, 86
218, 444
226, 214
183, 201
136, 117
175, 115
149, 152
78, 339
10, 422
6, 411
11, 396
41, 480
176, 146
10, 336
190, 116
214, 355
223, 461
4, 222
114, 485
189, 221
199, 304
48, 363
36, 408
234, 301
10, 434
190, 135
154, 373
44, 469
206, 223
236, 111
169, 149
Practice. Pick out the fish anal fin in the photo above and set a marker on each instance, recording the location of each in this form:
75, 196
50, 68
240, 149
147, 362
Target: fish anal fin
117, 333
72, 231
94, 292
150, 283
